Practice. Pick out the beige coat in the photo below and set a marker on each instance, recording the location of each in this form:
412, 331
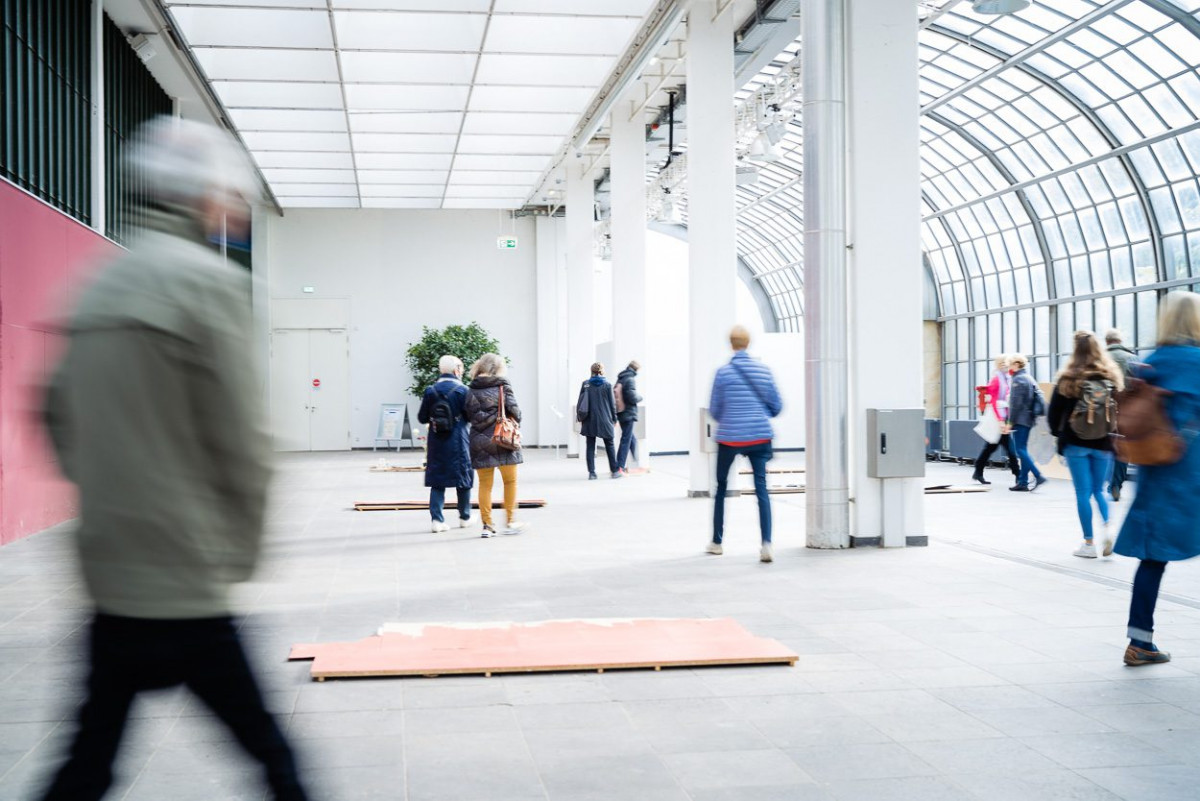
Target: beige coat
154, 414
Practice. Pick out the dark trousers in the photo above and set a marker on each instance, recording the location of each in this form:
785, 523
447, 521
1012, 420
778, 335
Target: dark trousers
437, 503
129, 655
758, 455
609, 450
1120, 471
990, 447
628, 443
1145, 595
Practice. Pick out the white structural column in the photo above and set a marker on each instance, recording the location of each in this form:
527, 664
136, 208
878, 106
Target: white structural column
628, 167
827, 492
886, 276
98, 129
581, 335
712, 234
553, 423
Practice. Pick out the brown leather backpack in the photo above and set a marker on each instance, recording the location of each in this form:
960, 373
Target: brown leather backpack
1145, 434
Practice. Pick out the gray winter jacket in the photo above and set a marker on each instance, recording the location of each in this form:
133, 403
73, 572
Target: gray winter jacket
1021, 400
483, 407
1124, 357
154, 414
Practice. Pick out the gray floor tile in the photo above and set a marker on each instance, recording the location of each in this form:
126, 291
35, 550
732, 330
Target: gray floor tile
982, 756
925, 788
640, 775
1059, 785
1078, 751
1162, 783
734, 768
845, 762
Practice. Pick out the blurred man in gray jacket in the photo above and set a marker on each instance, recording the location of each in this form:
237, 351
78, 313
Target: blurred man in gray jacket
154, 414
1125, 359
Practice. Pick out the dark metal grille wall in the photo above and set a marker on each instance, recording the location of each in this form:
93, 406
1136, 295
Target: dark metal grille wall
131, 96
45, 96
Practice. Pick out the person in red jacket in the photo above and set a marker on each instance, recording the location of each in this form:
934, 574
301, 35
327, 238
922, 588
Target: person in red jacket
995, 394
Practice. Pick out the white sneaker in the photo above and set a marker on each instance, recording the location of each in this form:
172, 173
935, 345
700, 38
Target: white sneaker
1087, 550
438, 528
765, 555
714, 548
1108, 541
488, 531
515, 527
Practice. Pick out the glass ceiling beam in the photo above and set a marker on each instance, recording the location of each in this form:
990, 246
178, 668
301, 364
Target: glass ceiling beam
1082, 23
958, 254
1169, 9
1102, 128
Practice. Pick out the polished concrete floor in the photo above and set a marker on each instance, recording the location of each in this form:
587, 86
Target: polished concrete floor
986, 666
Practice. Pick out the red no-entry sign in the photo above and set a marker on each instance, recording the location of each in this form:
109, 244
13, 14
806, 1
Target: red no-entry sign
316, 383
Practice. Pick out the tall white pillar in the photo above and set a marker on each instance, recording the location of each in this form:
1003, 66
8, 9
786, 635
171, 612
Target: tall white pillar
553, 416
628, 165
886, 278
712, 234
581, 336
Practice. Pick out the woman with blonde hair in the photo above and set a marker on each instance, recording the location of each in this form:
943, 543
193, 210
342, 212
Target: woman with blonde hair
488, 390
995, 395
1082, 416
1162, 525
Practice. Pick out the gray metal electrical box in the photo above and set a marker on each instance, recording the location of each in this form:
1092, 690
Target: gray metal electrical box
708, 429
895, 443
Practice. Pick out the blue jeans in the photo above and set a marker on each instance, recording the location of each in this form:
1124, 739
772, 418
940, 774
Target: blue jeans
1145, 593
1020, 441
628, 443
437, 502
758, 455
1089, 471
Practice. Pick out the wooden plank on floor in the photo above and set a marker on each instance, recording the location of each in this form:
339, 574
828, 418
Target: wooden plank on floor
412, 506
442, 649
397, 468
790, 489
948, 489
774, 471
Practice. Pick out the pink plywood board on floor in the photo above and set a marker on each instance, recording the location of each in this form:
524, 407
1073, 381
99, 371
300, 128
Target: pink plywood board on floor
434, 649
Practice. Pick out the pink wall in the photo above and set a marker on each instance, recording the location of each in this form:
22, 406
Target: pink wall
43, 254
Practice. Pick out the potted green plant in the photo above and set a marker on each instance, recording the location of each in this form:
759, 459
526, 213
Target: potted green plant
467, 342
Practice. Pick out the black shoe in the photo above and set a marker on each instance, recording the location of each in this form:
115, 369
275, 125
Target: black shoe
1115, 492
979, 477
591, 476
1019, 488
1037, 482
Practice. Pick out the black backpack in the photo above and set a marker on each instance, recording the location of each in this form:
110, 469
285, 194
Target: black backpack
441, 415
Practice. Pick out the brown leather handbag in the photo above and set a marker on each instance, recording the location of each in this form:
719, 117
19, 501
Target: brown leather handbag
507, 433
1145, 434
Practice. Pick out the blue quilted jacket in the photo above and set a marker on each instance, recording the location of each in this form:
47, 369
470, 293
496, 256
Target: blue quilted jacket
744, 399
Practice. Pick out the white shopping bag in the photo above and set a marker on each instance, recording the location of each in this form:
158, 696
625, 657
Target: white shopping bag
989, 428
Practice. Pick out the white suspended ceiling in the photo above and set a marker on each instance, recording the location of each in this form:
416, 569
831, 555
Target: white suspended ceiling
406, 103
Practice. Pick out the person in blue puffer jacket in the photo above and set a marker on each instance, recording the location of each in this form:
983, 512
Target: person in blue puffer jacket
744, 399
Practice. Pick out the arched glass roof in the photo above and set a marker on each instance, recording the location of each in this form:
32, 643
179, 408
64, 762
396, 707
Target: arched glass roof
1060, 149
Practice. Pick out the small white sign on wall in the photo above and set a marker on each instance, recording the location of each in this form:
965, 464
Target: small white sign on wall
506, 242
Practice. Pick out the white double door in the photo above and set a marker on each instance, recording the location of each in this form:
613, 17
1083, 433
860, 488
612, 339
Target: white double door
310, 392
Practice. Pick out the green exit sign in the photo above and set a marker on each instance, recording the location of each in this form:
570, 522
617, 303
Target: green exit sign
506, 242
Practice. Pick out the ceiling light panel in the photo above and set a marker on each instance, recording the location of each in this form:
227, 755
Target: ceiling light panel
442, 122
254, 27
391, 97
318, 202
403, 143
401, 203
616, 8
481, 203
517, 145
525, 98
499, 163
365, 30
519, 123
304, 141
513, 192
281, 159
403, 177
480, 6
400, 190
315, 190
267, 65
403, 161
296, 176
271, 3
373, 67
523, 70
501, 178
565, 35
257, 119
269, 94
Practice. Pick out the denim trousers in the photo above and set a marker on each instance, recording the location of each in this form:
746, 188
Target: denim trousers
1120, 471
1089, 472
628, 443
609, 451
437, 503
131, 655
758, 455
1020, 440
1145, 594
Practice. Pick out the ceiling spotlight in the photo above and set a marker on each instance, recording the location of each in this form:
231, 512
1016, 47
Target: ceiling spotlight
999, 6
142, 46
762, 150
775, 132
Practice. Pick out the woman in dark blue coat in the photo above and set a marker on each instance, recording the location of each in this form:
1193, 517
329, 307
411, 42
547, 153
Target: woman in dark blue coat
448, 453
1162, 525
596, 395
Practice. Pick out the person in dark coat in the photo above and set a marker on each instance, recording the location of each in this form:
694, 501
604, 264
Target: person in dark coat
1162, 525
1125, 359
448, 453
628, 417
596, 395
483, 410
1023, 401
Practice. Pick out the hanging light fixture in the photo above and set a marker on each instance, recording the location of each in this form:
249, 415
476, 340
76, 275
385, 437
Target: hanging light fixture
999, 6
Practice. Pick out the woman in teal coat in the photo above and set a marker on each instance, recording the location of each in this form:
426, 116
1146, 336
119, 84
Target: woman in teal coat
1162, 525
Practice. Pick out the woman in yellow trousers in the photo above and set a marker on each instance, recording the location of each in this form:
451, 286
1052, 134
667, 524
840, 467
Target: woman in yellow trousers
483, 410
